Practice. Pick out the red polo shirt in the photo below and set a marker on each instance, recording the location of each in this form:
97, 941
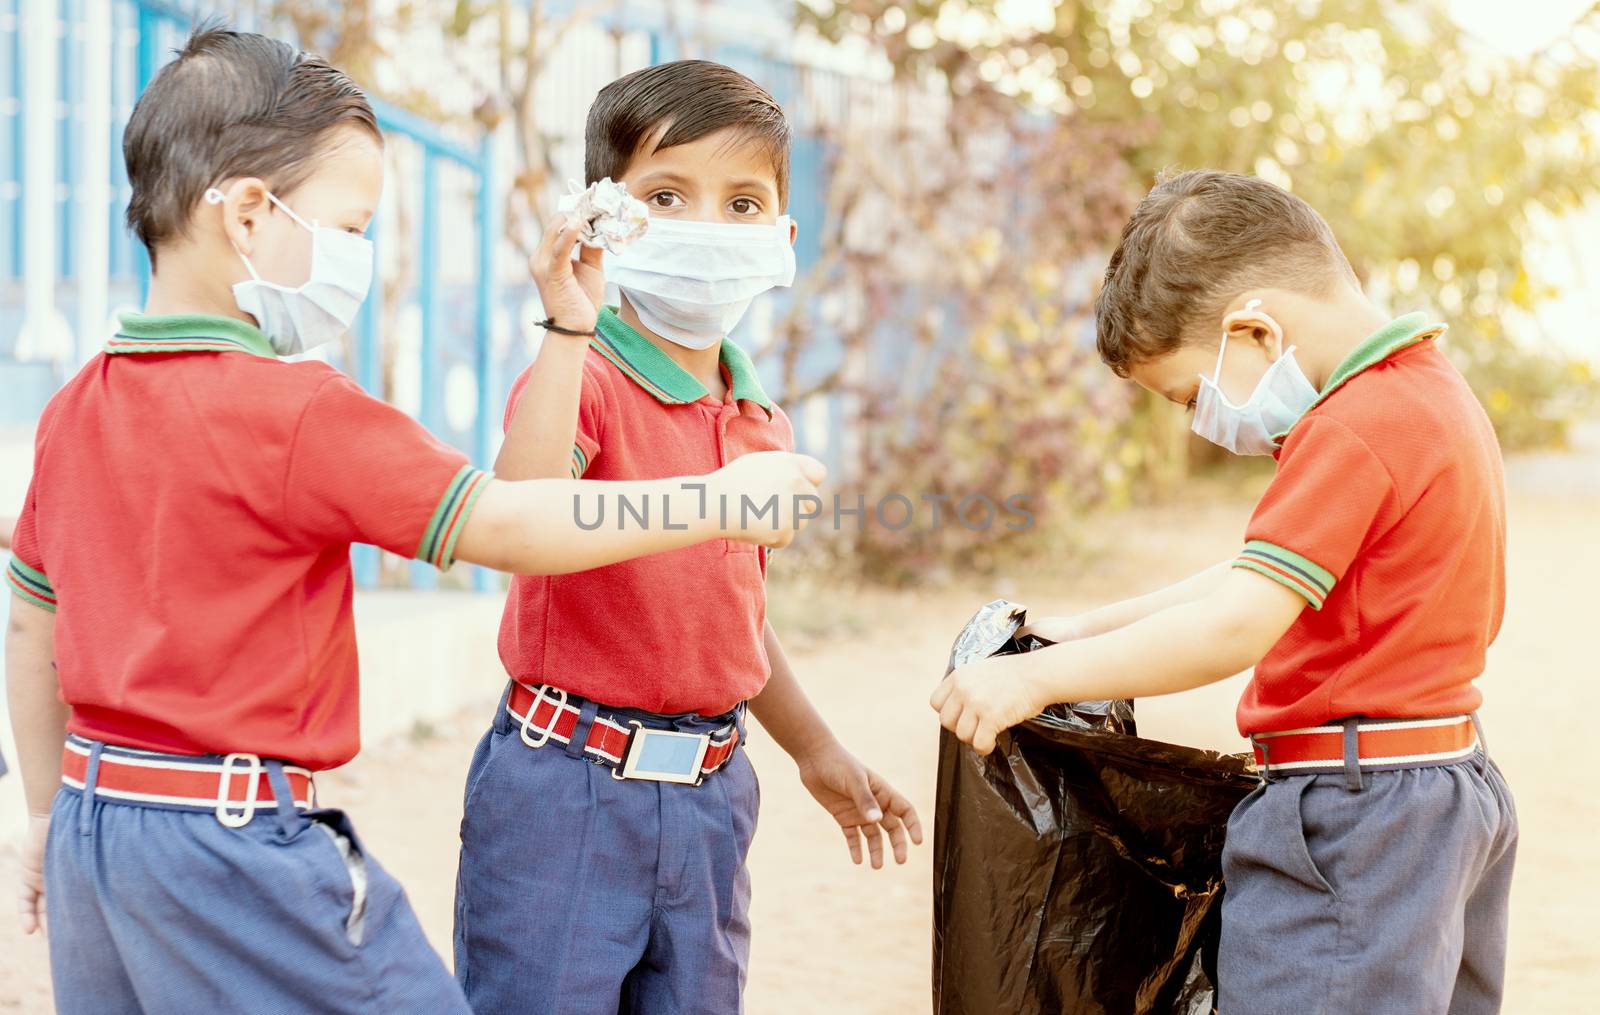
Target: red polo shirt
1388, 515
672, 632
190, 519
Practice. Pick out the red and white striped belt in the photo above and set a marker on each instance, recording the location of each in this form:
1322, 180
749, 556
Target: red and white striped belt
1366, 744
630, 748
232, 786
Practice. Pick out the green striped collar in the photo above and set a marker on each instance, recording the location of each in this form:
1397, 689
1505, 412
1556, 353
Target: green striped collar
657, 373
187, 333
1400, 333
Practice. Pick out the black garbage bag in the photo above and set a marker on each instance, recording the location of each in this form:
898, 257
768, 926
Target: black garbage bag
1078, 868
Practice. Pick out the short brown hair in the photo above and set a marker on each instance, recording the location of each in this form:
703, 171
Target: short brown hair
231, 104
1194, 243
684, 101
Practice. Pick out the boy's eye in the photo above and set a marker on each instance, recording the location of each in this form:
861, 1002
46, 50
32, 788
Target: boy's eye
665, 199
745, 206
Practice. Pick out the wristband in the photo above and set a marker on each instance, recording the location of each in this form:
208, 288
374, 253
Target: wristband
549, 324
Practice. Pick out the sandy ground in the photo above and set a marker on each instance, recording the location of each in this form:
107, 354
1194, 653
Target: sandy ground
856, 941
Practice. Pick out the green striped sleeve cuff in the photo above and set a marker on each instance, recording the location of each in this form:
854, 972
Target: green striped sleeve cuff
580, 462
31, 585
438, 544
1288, 568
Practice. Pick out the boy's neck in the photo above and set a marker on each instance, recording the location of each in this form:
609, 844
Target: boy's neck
1326, 331
704, 365
184, 287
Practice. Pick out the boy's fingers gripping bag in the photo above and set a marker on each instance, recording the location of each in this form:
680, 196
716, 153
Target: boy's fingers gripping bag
1077, 868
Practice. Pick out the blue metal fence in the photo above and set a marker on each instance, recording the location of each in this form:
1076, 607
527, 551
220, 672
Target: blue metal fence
10, 142
437, 150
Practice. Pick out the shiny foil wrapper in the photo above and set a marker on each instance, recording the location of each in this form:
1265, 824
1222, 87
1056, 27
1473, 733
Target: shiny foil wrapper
611, 217
1077, 868
992, 631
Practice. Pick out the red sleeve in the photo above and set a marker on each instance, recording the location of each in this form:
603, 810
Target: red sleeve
1320, 510
591, 415
362, 471
25, 574
785, 429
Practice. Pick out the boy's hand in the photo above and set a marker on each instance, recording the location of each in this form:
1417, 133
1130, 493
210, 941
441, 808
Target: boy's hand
861, 802
765, 497
571, 291
30, 884
979, 700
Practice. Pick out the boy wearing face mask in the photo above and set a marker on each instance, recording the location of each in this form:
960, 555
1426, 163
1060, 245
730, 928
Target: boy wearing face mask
1370, 870
609, 808
182, 612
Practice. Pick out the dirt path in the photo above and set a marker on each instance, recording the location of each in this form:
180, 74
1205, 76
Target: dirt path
856, 941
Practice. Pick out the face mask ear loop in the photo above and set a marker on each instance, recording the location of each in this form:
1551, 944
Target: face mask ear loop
214, 196
1216, 371
1222, 348
290, 212
1277, 330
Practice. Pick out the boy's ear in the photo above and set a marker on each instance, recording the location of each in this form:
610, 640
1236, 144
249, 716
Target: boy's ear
244, 208
1254, 326
794, 230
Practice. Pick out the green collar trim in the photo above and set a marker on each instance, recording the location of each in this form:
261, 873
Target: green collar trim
187, 333
746, 386
657, 373
1400, 333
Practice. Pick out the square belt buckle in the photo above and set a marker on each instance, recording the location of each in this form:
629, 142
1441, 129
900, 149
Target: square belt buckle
664, 755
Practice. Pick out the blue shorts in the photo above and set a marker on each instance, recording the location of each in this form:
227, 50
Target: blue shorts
156, 909
1385, 895
581, 894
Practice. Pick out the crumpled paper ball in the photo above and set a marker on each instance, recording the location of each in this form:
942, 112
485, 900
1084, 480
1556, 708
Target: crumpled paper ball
611, 217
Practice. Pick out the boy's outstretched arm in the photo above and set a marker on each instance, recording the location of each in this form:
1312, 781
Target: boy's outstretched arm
858, 798
1126, 611
1179, 648
540, 436
39, 722
556, 526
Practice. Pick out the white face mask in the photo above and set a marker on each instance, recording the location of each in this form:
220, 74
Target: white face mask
691, 282
1280, 398
297, 318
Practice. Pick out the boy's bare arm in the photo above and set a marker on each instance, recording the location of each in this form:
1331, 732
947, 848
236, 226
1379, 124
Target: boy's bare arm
1182, 647
854, 795
1127, 611
38, 716
39, 723
556, 526
539, 440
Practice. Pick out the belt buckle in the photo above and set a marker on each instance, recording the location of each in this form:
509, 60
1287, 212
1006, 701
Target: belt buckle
557, 697
1264, 769
664, 755
252, 772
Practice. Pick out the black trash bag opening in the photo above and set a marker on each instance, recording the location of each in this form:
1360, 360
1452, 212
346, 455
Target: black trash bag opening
1077, 868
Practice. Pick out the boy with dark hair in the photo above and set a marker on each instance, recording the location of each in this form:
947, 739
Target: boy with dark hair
1370, 870
182, 617
609, 809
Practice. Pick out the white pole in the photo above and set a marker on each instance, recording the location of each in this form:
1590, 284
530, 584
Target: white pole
94, 222
38, 178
